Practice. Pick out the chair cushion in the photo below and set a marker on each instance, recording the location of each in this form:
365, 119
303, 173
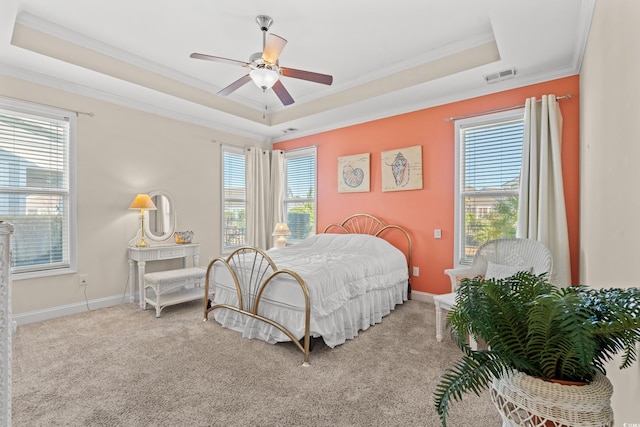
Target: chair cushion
502, 271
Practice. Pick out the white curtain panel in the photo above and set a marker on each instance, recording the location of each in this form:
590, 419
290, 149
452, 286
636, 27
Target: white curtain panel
541, 207
258, 182
277, 192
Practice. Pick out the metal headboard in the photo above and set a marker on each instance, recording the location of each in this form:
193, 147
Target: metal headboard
369, 224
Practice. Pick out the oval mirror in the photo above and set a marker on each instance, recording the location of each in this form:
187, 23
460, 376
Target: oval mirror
162, 222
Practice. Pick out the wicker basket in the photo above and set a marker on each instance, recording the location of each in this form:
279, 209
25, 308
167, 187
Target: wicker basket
526, 401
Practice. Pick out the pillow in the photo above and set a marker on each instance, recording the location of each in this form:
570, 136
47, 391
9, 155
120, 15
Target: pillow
502, 271
461, 277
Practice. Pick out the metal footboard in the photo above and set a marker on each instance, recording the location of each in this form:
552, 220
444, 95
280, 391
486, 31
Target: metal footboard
252, 271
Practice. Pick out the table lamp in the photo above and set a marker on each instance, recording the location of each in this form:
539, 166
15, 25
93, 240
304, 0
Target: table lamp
281, 230
142, 202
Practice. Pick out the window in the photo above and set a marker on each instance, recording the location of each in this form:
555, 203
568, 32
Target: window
234, 223
488, 159
37, 187
300, 193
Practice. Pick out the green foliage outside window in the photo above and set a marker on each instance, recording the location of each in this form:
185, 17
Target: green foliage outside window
301, 219
235, 228
37, 240
499, 222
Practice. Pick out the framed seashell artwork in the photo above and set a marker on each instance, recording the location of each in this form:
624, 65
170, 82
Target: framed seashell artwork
353, 173
402, 169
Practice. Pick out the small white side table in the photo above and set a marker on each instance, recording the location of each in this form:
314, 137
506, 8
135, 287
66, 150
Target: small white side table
448, 302
442, 302
138, 257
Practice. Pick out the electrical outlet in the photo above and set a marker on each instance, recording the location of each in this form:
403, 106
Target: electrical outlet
416, 271
83, 279
437, 233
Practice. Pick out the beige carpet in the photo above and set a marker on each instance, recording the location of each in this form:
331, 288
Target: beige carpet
121, 366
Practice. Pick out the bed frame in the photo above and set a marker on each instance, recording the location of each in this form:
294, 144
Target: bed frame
250, 284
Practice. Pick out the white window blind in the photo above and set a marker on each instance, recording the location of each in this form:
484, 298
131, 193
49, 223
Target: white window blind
35, 190
300, 193
235, 201
489, 159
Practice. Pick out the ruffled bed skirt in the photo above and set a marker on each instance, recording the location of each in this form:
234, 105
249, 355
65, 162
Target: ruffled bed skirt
335, 328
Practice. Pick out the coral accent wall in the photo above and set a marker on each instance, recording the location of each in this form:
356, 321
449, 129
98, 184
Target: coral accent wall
422, 211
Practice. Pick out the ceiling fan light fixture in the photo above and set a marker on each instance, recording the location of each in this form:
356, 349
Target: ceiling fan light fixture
264, 78
265, 68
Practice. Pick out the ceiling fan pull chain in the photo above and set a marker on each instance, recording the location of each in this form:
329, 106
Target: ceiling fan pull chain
264, 113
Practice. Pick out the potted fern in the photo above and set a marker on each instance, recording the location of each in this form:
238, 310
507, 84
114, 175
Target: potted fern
537, 333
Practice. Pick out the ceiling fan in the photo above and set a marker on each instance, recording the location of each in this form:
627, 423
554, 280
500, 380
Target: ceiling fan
265, 68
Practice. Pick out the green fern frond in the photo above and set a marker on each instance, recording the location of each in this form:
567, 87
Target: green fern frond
563, 344
472, 372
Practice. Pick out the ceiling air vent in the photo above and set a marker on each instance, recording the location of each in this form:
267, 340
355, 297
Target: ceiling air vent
500, 76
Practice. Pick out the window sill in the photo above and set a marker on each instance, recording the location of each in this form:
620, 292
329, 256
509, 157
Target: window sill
41, 273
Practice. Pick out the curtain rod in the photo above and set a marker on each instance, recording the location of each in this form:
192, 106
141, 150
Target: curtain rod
77, 113
498, 110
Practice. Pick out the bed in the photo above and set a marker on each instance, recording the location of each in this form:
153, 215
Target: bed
328, 286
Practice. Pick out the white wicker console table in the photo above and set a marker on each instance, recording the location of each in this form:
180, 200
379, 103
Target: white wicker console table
139, 256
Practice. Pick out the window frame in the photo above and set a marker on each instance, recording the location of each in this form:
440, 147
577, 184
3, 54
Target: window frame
296, 154
238, 151
22, 107
459, 212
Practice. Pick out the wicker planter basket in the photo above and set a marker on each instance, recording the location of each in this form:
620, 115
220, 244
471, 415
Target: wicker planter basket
526, 401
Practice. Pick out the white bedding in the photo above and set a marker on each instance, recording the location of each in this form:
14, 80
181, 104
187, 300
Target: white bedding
353, 280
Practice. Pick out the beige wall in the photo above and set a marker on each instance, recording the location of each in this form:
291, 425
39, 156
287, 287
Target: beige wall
122, 152
610, 169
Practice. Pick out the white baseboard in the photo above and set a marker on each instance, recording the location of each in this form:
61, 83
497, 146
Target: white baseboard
422, 296
65, 310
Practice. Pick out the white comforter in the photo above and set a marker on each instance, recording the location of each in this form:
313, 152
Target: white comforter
353, 281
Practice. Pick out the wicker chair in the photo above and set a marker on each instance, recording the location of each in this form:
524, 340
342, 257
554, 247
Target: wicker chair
503, 258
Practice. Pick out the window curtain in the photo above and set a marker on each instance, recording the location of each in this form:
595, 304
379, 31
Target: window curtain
541, 206
277, 191
264, 176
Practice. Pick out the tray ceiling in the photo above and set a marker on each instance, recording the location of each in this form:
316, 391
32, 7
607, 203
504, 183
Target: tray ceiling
384, 59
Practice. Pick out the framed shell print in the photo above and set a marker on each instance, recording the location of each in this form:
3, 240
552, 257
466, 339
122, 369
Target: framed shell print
353, 173
402, 169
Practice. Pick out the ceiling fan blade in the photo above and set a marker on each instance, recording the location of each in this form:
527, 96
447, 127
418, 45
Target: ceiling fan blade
218, 59
272, 48
235, 85
282, 93
325, 79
